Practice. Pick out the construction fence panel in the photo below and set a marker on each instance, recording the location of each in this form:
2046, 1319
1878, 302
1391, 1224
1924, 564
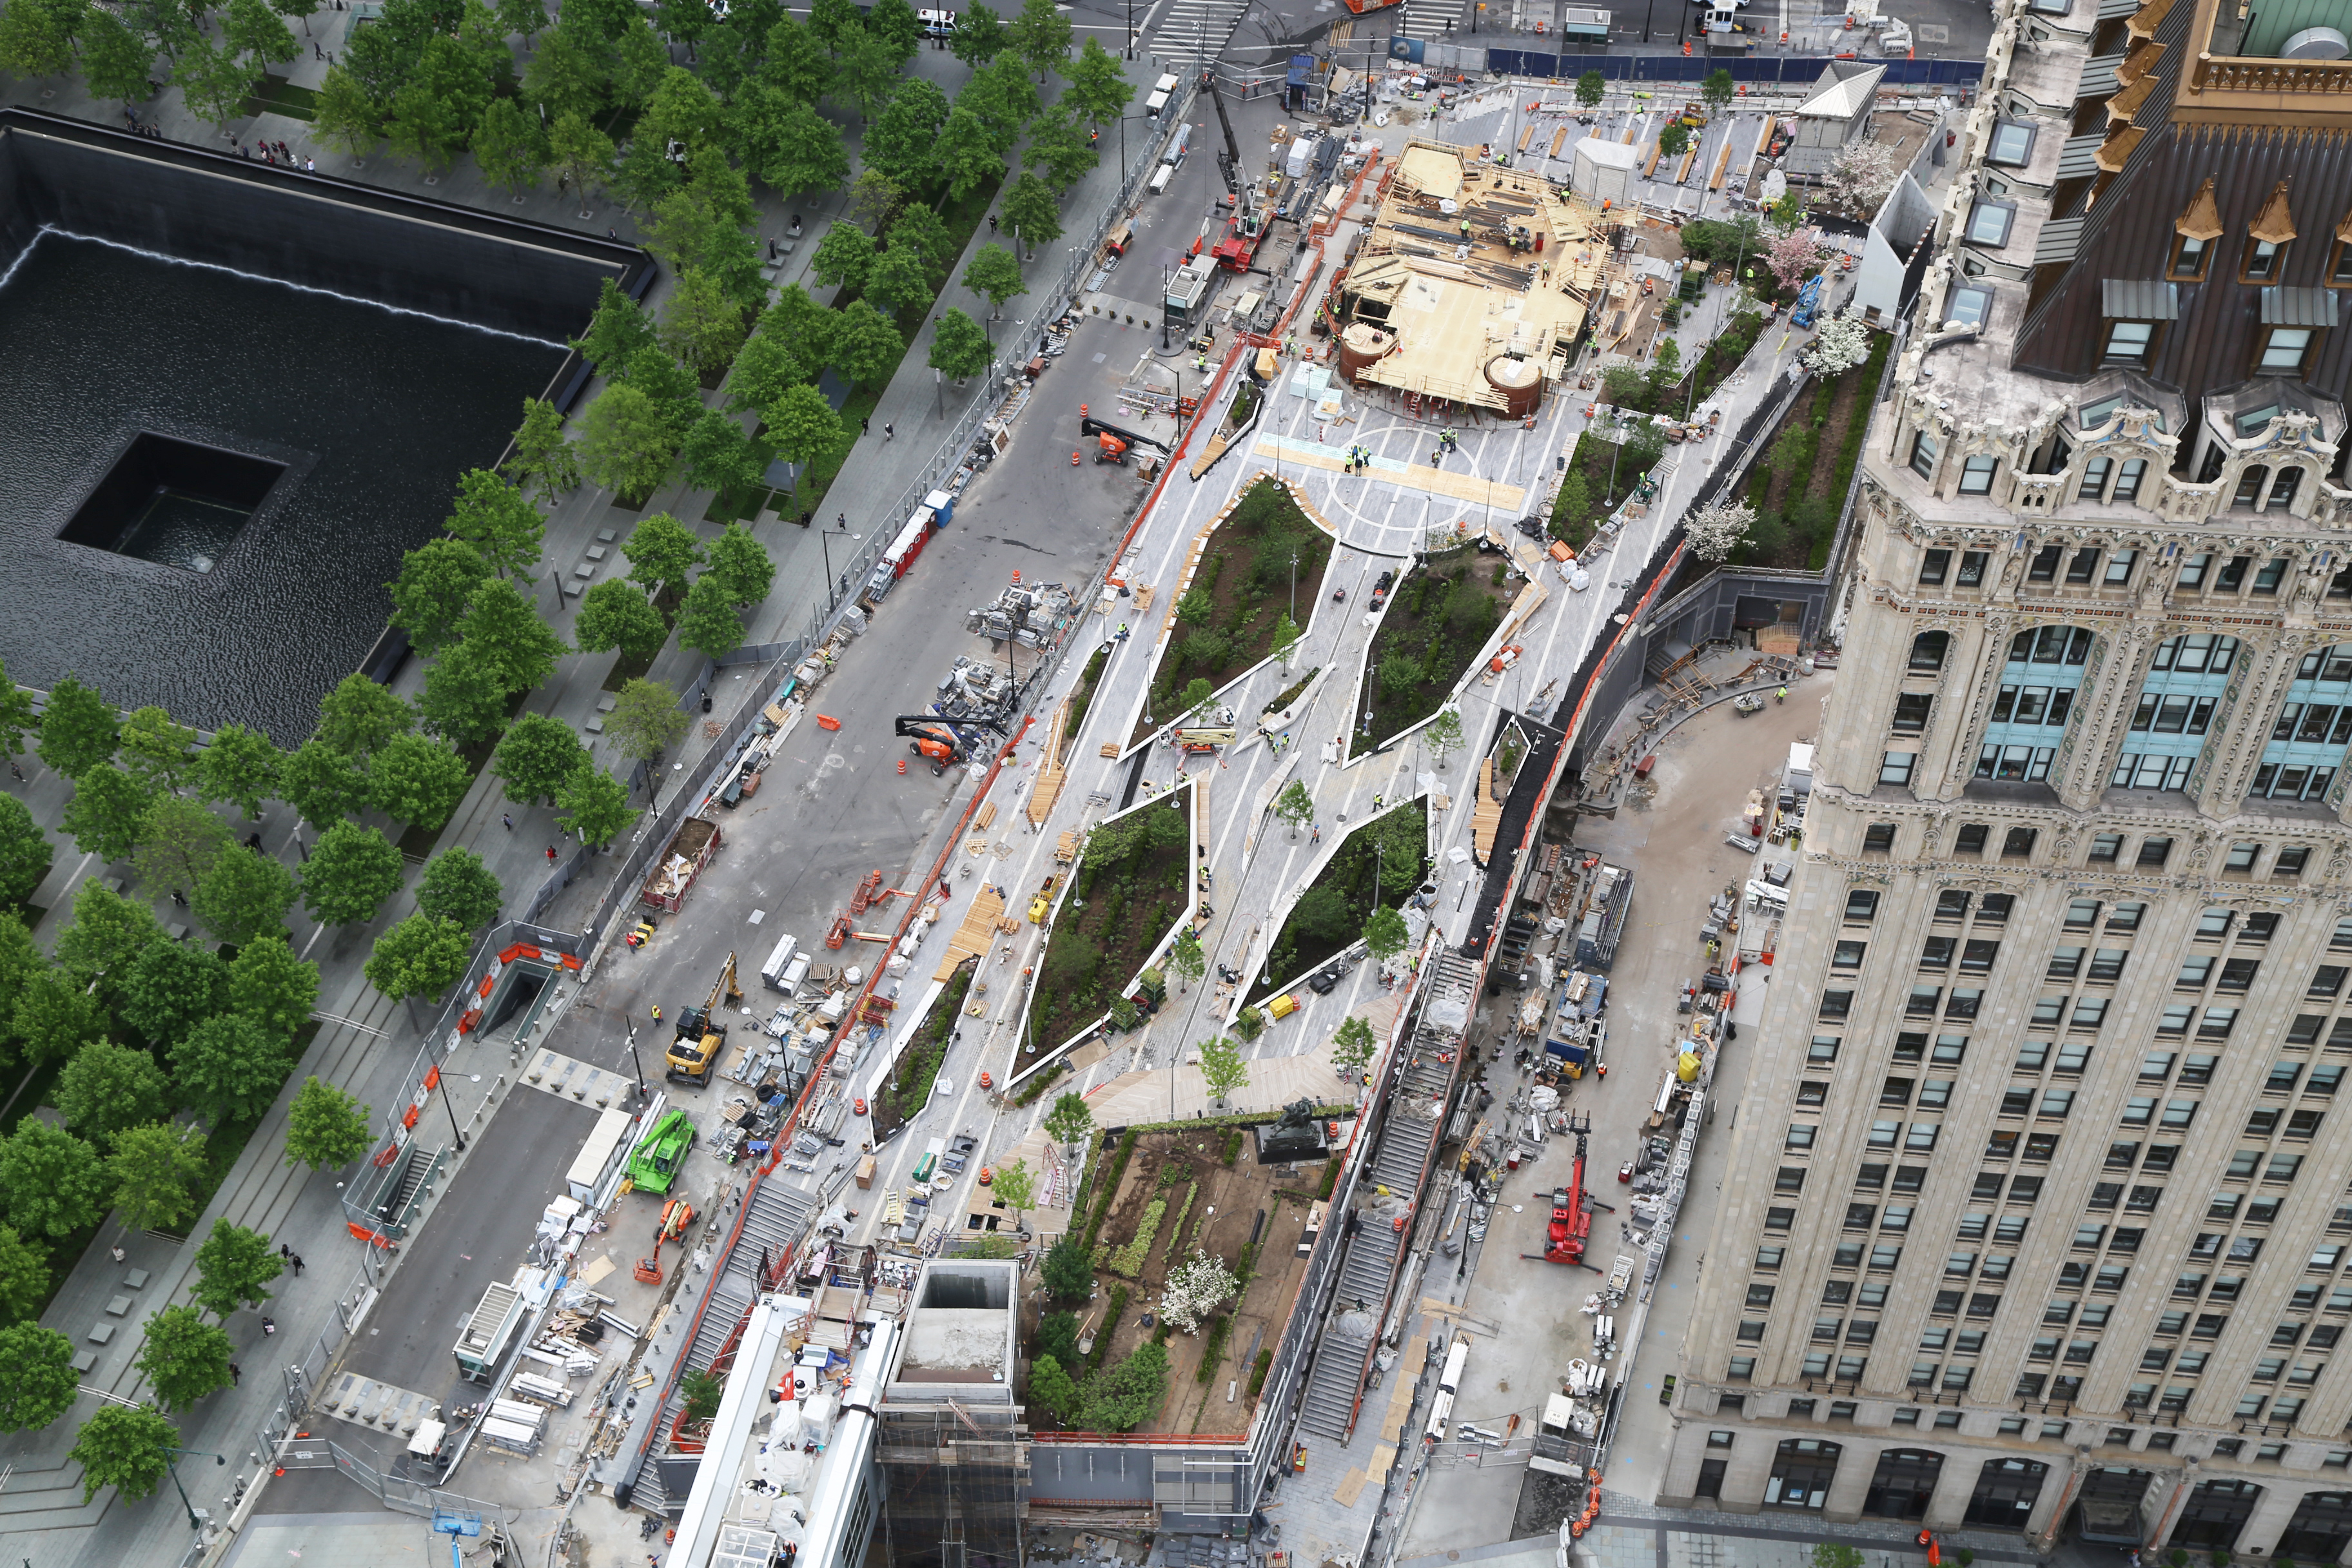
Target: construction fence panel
1792, 71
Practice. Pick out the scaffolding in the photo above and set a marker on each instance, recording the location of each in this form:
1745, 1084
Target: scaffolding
956, 1475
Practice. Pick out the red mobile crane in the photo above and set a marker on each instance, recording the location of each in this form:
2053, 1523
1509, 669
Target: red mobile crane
1244, 232
1571, 1210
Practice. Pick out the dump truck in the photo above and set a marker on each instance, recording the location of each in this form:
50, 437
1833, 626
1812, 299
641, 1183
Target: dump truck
655, 1164
689, 851
700, 1034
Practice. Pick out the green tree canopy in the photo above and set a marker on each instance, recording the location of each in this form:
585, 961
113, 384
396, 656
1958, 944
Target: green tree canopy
179, 840
577, 150
417, 780
1099, 90
959, 349
78, 728
271, 984
842, 256
645, 719
502, 629
107, 1087
38, 1380
17, 718
721, 455
323, 784
626, 444
594, 805
499, 520
126, 1449
243, 894
106, 934
509, 147
55, 1015
1041, 34
351, 873
966, 155
866, 345
742, 566
661, 551
325, 1126
1385, 933
709, 621
1030, 209
979, 35
537, 754
802, 424
423, 955
185, 1357
24, 852
899, 141
239, 768
701, 325
899, 280
464, 696
458, 886
229, 1067
232, 1267
543, 461
154, 748
993, 271
54, 1182
619, 330
616, 614
171, 987
1059, 146
359, 716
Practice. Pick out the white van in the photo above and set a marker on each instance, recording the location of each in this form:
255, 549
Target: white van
1161, 91
1159, 178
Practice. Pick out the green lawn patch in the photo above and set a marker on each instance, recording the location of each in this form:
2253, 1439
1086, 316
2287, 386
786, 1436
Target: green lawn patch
278, 96
736, 504
1130, 886
1330, 914
1227, 614
911, 1089
1439, 617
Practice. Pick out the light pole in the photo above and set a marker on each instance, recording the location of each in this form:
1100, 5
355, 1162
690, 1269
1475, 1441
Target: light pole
441, 1082
832, 597
193, 1521
1294, 588
636, 1066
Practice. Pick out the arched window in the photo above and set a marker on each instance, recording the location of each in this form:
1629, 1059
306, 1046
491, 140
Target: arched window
2320, 1529
1928, 651
1802, 1469
2215, 1512
2038, 684
2006, 1492
2310, 729
1904, 1483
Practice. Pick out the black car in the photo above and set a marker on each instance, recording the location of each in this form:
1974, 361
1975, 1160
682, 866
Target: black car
1381, 585
1322, 980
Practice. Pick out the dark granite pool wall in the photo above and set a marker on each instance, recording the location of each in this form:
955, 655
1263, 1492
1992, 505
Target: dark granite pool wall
313, 229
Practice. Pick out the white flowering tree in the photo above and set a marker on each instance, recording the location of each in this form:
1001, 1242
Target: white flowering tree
1194, 1289
1795, 256
1860, 178
1842, 344
1715, 530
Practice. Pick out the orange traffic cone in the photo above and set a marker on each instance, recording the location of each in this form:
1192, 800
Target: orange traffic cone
1074, 459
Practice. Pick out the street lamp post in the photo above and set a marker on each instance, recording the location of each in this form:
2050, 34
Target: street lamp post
193, 1521
832, 596
441, 1081
1294, 588
638, 1067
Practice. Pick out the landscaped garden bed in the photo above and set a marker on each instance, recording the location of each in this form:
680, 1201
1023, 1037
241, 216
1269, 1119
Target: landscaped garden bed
1798, 487
1238, 595
910, 1088
1330, 915
1130, 886
1439, 616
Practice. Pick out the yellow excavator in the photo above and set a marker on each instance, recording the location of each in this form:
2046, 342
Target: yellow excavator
700, 1034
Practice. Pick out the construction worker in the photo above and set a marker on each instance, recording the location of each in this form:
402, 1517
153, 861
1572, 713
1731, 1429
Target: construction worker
1122, 633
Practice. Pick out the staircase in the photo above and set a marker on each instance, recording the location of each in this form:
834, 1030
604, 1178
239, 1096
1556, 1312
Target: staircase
775, 1219
1399, 1163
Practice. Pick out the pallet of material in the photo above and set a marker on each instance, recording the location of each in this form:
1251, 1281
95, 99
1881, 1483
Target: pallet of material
1067, 850
540, 1390
1558, 137
511, 1435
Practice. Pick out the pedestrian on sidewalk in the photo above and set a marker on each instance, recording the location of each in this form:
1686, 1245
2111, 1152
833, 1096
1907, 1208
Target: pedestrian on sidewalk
992, 223
507, 819
889, 432
298, 1264
117, 1250
235, 1374
268, 1325
285, 1251
550, 854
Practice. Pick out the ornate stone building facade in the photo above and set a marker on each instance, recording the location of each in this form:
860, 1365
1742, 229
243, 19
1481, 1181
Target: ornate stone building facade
2039, 1215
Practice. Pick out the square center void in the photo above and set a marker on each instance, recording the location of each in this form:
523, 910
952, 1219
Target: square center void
173, 502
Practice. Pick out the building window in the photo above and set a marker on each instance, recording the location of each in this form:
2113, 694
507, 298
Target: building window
1989, 224
2119, 569
2129, 342
1878, 838
2128, 479
2011, 144
1928, 650
1924, 448
1975, 474
1933, 565
1911, 709
2189, 256
2284, 348
1860, 906
1969, 306
1895, 767
2262, 260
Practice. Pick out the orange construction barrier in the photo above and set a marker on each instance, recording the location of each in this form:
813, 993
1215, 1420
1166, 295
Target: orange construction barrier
827, 722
